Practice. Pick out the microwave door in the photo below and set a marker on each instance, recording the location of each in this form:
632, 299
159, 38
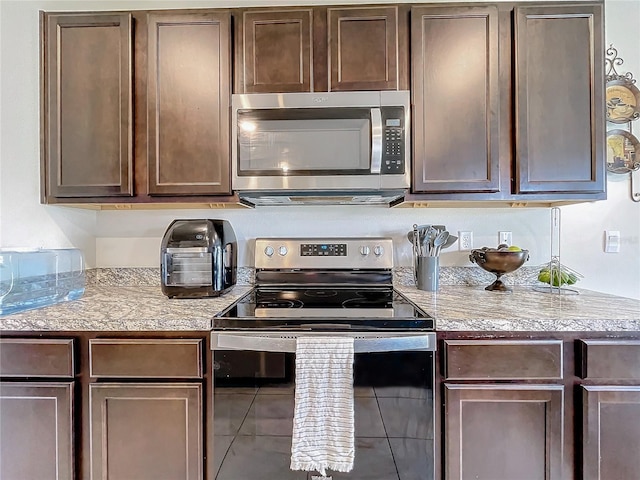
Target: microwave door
310, 142
376, 140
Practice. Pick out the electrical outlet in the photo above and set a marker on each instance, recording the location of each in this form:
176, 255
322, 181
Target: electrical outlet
465, 240
505, 237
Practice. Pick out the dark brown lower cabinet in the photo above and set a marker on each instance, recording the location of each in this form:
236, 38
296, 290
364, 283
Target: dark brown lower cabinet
611, 432
503, 432
36, 431
146, 431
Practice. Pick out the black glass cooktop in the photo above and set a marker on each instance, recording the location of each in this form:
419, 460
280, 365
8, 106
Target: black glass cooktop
323, 308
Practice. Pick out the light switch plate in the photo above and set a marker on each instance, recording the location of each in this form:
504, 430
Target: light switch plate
612, 241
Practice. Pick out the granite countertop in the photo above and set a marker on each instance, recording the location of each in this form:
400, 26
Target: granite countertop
136, 308
455, 307
472, 308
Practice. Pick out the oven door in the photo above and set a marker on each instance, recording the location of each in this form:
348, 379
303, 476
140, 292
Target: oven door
253, 407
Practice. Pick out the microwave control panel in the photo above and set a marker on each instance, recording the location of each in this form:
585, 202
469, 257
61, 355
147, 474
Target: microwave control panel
393, 144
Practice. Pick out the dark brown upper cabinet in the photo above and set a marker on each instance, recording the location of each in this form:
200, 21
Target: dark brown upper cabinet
276, 51
559, 99
508, 102
363, 48
322, 49
188, 99
455, 99
86, 95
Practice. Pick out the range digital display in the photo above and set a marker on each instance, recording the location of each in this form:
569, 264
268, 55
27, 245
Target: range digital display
323, 250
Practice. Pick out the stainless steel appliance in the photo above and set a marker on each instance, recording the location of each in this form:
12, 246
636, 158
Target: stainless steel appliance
198, 258
333, 147
307, 287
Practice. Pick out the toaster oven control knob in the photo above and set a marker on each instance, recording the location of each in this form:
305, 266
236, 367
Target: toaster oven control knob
282, 250
364, 250
378, 250
269, 251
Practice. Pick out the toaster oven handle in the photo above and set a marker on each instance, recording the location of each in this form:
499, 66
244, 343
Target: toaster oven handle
376, 140
286, 342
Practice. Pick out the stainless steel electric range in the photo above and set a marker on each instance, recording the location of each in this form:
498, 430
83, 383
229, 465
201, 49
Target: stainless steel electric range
327, 287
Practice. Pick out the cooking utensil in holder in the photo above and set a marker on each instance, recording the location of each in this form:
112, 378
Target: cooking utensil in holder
427, 241
426, 272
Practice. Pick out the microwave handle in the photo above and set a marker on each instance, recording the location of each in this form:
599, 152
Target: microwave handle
376, 140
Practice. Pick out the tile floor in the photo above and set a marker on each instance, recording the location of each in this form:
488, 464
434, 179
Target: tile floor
394, 434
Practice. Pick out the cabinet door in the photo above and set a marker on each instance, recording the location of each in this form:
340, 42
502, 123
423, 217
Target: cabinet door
87, 107
146, 431
364, 48
503, 431
559, 132
455, 99
188, 104
275, 51
36, 431
611, 432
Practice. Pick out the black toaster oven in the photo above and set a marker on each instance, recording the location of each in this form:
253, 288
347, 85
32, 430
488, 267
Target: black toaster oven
198, 258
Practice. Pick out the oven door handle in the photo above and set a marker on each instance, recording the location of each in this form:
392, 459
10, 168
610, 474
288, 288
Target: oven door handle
286, 342
376, 140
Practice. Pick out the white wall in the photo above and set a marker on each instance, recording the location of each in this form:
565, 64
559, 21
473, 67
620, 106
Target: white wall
23, 221
132, 238
583, 225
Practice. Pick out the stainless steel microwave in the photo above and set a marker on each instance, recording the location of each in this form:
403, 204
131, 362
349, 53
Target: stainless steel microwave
314, 142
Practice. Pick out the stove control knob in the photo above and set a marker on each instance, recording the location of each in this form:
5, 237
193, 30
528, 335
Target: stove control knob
268, 251
378, 250
282, 250
364, 250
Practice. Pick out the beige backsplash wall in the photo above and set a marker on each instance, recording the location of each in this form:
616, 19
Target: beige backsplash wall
132, 238
140, 232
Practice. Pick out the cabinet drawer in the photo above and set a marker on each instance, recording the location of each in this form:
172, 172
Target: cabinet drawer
610, 359
148, 358
35, 357
503, 360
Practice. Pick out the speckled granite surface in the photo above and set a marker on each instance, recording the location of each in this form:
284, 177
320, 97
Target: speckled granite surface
469, 276
131, 299
147, 277
116, 277
124, 309
473, 308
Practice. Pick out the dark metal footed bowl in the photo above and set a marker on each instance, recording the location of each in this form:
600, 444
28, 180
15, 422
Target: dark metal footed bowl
499, 263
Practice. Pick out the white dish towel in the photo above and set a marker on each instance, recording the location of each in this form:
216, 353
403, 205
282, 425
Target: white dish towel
323, 420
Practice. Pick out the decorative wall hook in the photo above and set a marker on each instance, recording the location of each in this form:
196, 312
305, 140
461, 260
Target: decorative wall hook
623, 97
623, 108
611, 61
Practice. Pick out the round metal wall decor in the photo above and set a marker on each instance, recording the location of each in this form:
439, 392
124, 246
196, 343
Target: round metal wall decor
623, 152
622, 95
623, 101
